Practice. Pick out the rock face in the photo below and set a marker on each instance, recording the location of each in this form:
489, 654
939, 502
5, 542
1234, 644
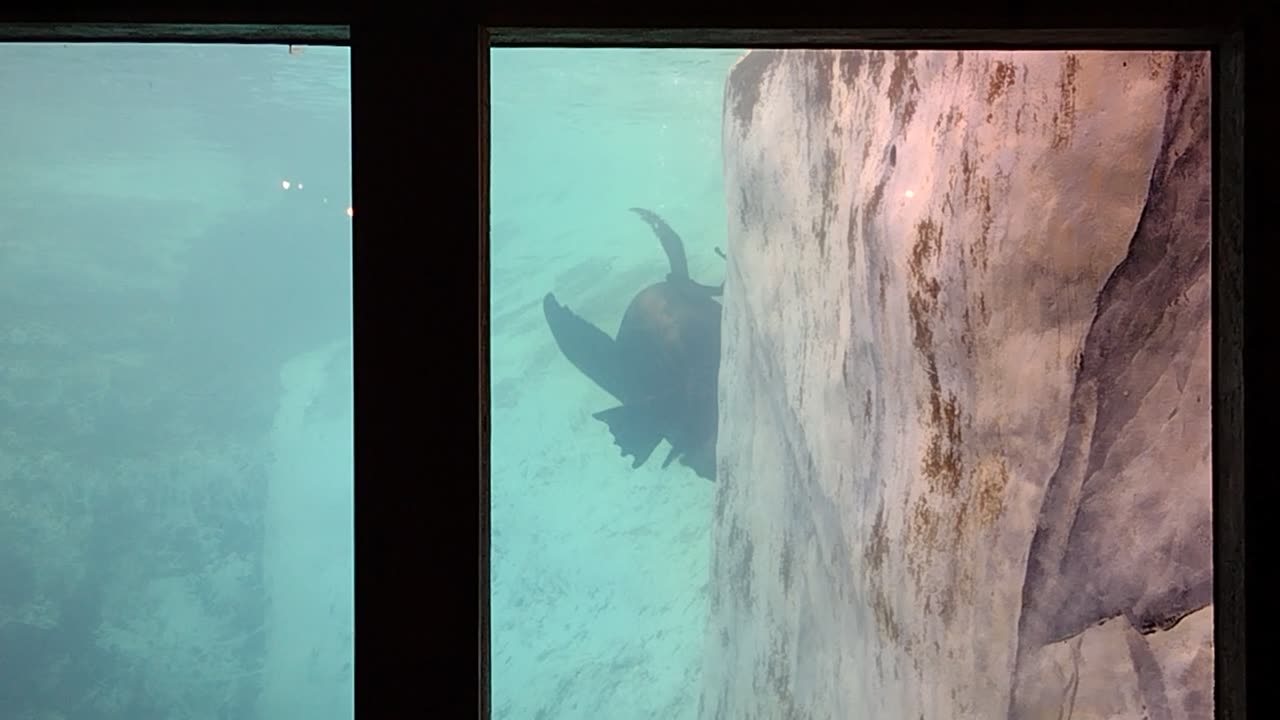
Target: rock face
965, 425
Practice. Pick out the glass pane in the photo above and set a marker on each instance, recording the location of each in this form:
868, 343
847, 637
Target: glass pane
176, 452
599, 573
953, 397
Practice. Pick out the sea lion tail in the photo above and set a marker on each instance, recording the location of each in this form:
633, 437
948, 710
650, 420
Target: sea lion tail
671, 243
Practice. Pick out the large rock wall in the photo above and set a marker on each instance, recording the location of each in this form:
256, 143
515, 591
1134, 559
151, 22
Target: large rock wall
965, 432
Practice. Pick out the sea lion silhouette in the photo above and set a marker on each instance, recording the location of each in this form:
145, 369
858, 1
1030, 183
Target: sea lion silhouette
663, 365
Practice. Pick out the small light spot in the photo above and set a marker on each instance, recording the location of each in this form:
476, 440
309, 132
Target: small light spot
911, 193
350, 212
285, 184
299, 186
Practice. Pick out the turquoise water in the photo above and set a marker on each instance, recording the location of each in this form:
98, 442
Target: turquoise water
598, 572
175, 383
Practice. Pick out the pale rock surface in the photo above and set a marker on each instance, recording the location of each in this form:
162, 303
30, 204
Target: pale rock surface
309, 551
965, 433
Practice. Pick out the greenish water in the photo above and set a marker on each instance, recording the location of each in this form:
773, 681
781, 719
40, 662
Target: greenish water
598, 572
176, 415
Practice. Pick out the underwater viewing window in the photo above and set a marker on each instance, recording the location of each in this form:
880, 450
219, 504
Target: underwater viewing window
176, 461
824, 372
851, 378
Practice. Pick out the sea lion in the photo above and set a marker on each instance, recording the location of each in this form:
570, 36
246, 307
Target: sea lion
663, 365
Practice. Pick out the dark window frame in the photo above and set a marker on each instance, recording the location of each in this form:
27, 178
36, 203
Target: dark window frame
420, 97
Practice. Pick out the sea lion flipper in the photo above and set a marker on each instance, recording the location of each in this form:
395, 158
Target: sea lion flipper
588, 347
702, 463
670, 456
709, 290
671, 242
634, 431
718, 290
